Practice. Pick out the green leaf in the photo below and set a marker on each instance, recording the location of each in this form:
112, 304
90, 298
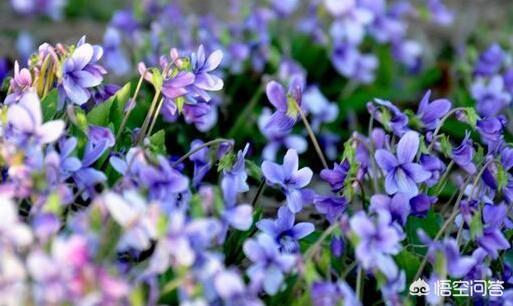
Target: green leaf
110, 110
158, 142
431, 224
409, 263
476, 225
502, 177
49, 105
157, 79
472, 116
117, 110
100, 114
253, 170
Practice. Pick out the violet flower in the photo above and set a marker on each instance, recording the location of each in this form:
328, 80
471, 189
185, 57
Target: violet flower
464, 153
81, 72
202, 66
25, 122
286, 104
430, 113
289, 177
490, 61
492, 239
398, 206
377, 241
19, 84
336, 177
283, 230
277, 138
269, 264
136, 217
491, 98
401, 173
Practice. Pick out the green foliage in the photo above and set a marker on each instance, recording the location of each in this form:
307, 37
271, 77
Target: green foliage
49, 105
431, 224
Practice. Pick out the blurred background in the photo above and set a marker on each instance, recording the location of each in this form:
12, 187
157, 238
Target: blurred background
23, 25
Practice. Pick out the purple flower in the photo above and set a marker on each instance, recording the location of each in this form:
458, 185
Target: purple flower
464, 153
439, 12
164, 183
289, 177
430, 113
25, 122
377, 241
401, 173
336, 177
202, 66
283, 230
321, 110
490, 130
176, 86
230, 287
114, 57
269, 264
398, 206
136, 217
421, 204
349, 62
277, 138
232, 183
286, 104
81, 72
434, 165
390, 116
457, 265
331, 206
490, 98
13, 232
19, 84
201, 162
331, 294
492, 240
490, 61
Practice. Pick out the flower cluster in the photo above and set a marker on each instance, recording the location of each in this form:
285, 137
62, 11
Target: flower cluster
110, 196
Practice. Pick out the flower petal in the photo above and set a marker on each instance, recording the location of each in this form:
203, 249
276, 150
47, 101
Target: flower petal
276, 95
385, 160
407, 147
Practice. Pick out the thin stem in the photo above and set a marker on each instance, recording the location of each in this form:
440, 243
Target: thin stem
243, 117
348, 270
359, 283
154, 120
259, 192
206, 144
125, 118
310, 252
441, 124
312, 136
441, 183
454, 213
144, 127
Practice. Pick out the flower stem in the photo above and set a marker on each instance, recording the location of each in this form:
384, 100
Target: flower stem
359, 283
206, 144
125, 118
454, 214
144, 127
312, 136
259, 192
156, 115
310, 252
441, 124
